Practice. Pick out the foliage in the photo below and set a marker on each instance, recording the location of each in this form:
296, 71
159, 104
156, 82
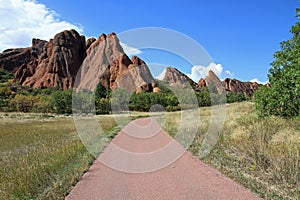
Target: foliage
83, 102
103, 106
235, 97
5, 76
119, 100
5, 96
203, 99
283, 97
103, 100
144, 101
102, 92
62, 101
23, 103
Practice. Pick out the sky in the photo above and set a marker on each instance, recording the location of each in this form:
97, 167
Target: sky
239, 36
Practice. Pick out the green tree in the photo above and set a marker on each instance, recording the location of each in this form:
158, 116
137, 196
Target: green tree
103, 106
5, 96
102, 92
84, 101
119, 100
283, 97
62, 101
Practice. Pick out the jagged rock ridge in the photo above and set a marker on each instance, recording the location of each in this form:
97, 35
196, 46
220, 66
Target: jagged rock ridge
175, 78
247, 88
56, 63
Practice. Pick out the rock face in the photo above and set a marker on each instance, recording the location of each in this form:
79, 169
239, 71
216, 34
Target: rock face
247, 88
47, 64
228, 85
58, 62
213, 82
176, 78
107, 63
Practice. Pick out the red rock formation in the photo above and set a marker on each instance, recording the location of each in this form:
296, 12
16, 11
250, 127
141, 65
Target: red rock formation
228, 85
201, 83
56, 63
247, 88
47, 64
176, 78
107, 63
214, 82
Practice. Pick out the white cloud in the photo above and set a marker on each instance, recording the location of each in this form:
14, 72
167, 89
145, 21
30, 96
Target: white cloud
199, 71
161, 75
229, 73
23, 20
257, 81
130, 51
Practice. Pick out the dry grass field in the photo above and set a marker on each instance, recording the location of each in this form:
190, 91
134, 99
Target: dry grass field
262, 154
42, 156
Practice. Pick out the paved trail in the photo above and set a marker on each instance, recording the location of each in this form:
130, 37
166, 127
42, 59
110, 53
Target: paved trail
140, 147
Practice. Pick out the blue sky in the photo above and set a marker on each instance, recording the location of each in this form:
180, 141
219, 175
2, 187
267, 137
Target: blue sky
241, 36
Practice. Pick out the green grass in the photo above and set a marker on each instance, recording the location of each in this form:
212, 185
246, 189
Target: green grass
42, 157
262, 154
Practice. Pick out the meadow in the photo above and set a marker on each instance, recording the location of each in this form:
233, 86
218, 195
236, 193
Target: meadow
262, 154
42, 156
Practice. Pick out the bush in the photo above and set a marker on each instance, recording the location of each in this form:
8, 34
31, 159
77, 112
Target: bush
23, 103
203, 99
232, 97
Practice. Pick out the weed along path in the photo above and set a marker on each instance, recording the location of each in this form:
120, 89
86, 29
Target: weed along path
143, 162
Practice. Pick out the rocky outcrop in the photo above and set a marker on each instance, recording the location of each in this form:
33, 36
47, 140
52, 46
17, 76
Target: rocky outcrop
12, 59
47, 64
247, 88
175, 78
213, 83
107, 63
58, 62
228, 85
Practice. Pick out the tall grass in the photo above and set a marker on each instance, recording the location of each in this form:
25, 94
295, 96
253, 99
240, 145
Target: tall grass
263, 154
42, 158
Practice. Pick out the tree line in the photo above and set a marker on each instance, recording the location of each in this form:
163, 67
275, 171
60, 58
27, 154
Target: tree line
103, 100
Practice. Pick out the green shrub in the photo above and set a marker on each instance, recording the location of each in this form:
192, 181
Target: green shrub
232, 97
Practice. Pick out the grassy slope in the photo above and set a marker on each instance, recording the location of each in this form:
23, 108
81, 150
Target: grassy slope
261, 154
42, 158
